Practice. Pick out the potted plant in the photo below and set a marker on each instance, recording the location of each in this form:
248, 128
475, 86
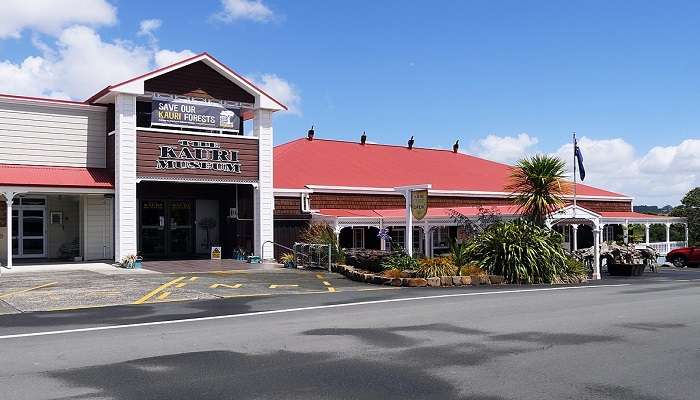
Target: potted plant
129, 262
289, 260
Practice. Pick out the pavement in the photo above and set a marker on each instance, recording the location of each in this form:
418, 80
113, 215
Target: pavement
54, 288
614, 339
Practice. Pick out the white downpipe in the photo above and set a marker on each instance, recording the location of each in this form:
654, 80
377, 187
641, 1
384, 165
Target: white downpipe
408, 237
596, 253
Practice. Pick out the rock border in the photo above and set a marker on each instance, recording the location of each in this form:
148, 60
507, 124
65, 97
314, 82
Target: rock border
360, 275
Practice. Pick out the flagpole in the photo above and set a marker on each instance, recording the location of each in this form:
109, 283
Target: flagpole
574, 138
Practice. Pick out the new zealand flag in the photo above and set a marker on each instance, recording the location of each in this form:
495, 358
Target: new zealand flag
579, 158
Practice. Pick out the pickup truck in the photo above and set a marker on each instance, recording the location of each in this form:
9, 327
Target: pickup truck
684, 256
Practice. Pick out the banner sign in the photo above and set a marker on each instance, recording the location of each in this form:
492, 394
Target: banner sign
167, 111
195, 154
419, 204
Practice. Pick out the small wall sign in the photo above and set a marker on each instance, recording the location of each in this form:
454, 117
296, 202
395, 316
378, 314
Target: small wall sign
216, 253
419, 204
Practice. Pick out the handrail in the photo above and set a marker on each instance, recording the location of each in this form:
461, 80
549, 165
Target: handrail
262, 250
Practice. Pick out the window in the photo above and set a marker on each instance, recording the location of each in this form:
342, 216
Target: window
441, 237
358, 238
398, 237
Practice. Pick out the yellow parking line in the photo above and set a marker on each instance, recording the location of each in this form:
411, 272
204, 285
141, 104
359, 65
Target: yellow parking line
158, 289
163, 295
216, 285
181, 284
319, 276
326, 283
194, 278
331, 289
27, 290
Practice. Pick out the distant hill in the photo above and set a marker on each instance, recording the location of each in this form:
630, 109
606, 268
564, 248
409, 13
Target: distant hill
653, 209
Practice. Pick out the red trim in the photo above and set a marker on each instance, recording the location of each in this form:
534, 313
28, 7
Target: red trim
49, 100
49, 176
203, 54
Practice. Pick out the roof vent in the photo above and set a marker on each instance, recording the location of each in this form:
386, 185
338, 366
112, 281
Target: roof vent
410, 143
455, 147
310, 134
363, 138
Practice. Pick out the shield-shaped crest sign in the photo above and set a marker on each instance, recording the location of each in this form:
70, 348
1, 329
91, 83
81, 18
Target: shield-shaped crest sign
419, 204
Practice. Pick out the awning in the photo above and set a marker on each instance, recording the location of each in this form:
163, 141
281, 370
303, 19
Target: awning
55, 177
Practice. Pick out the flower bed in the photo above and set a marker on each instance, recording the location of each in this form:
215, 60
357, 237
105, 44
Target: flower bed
361, 275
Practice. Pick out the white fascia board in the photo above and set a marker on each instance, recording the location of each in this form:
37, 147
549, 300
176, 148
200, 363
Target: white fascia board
136, 86
291, 192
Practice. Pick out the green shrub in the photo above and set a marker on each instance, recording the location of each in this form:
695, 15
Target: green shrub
459, 255
323, 233
438, 266
400, 261
574, 272
520, 251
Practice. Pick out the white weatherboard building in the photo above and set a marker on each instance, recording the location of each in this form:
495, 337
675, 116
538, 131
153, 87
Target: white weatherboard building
166, 165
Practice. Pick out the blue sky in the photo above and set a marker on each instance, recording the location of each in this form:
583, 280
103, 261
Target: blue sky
507, 78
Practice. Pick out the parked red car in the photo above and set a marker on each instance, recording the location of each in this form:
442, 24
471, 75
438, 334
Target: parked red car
685, 256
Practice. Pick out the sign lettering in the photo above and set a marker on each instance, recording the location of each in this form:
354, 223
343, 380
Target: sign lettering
419, 204
168, 111
195, 154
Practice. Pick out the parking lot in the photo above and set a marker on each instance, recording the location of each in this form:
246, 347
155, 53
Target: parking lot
79, 289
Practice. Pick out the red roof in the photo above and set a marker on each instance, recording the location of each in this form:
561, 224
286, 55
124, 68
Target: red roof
323, 162
433, 212
36, 175
629, 215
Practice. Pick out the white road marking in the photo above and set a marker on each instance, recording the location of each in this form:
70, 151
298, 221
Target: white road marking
289, 310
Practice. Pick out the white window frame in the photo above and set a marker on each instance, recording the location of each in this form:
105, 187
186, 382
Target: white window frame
20, 208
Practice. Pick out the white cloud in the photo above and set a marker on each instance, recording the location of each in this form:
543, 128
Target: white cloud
79, 64
148, 27
505, 149
51, 16
254, 10
167, 57
280, 89
661, 176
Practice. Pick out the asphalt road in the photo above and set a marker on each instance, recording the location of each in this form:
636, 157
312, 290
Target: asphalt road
639, 340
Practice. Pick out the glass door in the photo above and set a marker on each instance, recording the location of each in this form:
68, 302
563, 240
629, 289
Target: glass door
180, 217
29, 227
153, 228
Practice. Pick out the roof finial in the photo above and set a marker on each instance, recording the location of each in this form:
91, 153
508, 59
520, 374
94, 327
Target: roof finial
310, 134
363, 138
455, 147
410, 142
